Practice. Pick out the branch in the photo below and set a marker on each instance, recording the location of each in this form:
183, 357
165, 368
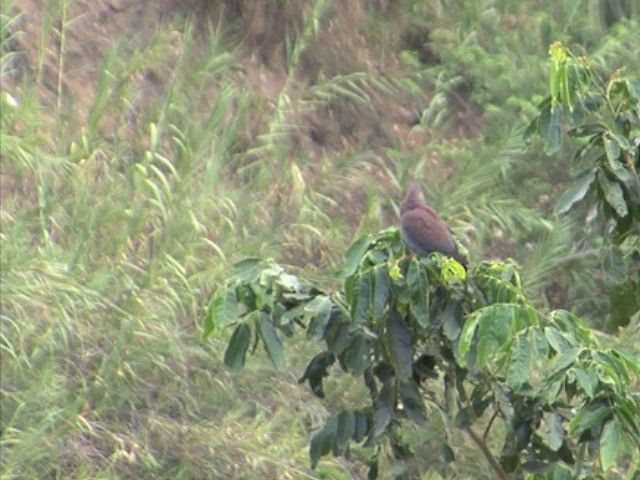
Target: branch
486, 430
502, 475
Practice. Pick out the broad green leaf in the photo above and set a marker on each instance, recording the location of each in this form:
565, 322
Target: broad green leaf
610, 440
354, 255
615, 370
399, 345
626, 412
633, 87
575, 193
384, 405
614, 265
448, 455
565, 359
613, 194
552, 431
269, 275
521, 360
319, 310
588, 416
495, 326
272, 343
223, 310
453, 271
362, 426
412, 401
236, 352
463, 419
629, 179
345, 430
323, 440
558, 340
587, 380
338, 336
533, 129
573, 328
540, 344
452, 320
418, 286
316, 370
246, 271
466, 337
356, 355
360, 305
290, 283
381, 291
612, 149
553, 134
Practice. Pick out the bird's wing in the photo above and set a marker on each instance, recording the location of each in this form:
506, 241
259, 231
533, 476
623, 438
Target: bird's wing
425, 232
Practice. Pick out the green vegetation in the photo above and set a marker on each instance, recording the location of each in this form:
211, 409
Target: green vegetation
145, 150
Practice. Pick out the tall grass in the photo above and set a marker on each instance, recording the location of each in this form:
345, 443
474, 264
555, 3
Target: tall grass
122, 211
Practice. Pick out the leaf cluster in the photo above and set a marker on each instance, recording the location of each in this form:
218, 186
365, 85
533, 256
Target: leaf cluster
411, 327
602, 116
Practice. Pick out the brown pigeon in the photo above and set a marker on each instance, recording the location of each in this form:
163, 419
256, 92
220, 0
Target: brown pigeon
423, 230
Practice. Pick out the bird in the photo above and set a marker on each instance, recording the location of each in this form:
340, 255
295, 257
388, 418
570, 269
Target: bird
422, 229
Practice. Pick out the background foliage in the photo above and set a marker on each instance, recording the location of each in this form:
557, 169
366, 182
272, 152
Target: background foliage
146, 149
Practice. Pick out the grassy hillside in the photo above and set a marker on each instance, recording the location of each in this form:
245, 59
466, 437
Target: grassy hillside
146, 148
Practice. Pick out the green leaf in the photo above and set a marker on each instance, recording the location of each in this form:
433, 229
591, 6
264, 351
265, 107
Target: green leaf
466, 338
360, 301
496, 324
633, 87
399, 345
448, 455
272, 343
223, 310
338, 336
558, 340
613, 194
290, 283
322, 441
345, 430
316, 370
356, 355
575, 193
354, 255
362, 425
588, 416
463, 419
452, 320
587, 380
319, 309
236, 352
540, 344
521, 360
612, 149
384, 405
629, 179
381, 292
246, 271
552, 432
553, 133
565, 359
610, 444
412, 402
418, 286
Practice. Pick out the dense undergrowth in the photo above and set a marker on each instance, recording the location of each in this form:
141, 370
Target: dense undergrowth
146, 149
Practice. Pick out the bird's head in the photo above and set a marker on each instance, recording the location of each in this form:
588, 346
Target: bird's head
412, 199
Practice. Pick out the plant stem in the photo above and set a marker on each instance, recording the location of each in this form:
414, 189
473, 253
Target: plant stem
502, 475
